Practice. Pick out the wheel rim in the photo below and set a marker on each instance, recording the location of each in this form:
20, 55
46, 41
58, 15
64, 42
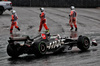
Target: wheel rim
42, 48
86, 43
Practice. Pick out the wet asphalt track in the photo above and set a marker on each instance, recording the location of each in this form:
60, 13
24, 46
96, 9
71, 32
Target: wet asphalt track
88, 21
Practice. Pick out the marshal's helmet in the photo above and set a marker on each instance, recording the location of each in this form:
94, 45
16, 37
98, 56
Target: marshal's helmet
72, 8
41, 9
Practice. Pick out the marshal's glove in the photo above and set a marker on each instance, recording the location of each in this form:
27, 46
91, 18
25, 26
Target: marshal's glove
69, 16
12, 20
40, 15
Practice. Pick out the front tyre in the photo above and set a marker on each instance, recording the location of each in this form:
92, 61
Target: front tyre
83, 43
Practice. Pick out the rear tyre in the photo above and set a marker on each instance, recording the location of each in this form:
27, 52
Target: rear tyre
40, 49
83, 43
12, 51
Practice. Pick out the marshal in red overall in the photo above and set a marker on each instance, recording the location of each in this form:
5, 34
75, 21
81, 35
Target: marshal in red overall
72, 19
43, 20
14, 21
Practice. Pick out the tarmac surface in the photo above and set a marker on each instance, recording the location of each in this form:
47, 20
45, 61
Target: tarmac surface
88, 21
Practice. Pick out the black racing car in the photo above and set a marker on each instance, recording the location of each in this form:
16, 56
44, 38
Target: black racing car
44, 43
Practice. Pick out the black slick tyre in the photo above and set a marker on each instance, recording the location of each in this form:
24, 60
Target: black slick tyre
11, 51
83, 43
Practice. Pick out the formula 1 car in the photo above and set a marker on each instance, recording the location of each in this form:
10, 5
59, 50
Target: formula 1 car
44, 43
